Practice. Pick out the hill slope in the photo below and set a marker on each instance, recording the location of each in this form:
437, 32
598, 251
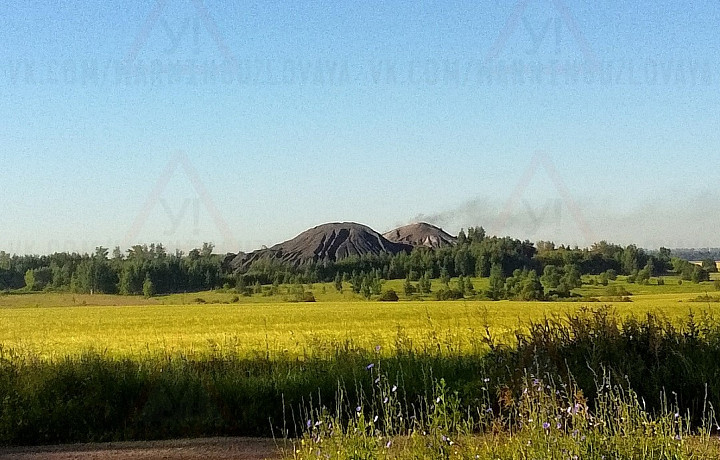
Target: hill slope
324, 243
421, 234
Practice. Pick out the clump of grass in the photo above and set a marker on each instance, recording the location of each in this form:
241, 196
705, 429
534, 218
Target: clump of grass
545, 420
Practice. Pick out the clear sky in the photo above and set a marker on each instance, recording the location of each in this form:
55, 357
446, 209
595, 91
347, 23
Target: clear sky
245, 123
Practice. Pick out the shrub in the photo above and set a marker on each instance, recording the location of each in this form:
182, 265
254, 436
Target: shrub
617, 291
448, 294
389, 296
709, 265
603, 279
148, 287
409, 288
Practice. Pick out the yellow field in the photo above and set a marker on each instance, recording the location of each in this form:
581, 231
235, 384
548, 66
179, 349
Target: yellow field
54, 325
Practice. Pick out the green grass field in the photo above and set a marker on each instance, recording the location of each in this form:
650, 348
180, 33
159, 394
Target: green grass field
52, 325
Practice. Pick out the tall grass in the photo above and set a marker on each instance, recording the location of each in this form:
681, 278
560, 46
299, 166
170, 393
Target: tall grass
97, 397
548, 421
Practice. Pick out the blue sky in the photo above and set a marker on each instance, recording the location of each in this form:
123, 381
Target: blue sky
292, 115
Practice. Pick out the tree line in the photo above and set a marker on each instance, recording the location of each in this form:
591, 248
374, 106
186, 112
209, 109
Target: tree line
141, 270
517, 269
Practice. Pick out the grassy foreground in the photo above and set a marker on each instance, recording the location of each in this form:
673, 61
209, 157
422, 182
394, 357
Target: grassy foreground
550, 420
350, 378
651, 363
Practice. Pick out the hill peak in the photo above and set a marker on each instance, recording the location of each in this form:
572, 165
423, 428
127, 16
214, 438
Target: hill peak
421, 234
324, 243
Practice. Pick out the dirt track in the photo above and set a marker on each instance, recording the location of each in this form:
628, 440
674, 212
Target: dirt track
205, 449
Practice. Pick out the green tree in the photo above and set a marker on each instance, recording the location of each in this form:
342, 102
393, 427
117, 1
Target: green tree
461, 238
530, 287
425, 284
572, 278
240, 285
461, 284
496, 290
709, 265
444, 277
513, 284
356, 282
207, 250
127, 278
43, 278
464, 263
550, 278
408, 287
469, 288
569, 281
338, 282
148, 287
365, 289
30, 280
375, 283
643, 276
699, 275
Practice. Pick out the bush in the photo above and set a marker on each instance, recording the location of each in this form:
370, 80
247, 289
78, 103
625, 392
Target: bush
709, 265
448, 294
717, 285
148, 287
389, 296
409, 288
307, 296
617, 291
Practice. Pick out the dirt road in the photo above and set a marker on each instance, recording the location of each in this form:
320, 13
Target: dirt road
195, 449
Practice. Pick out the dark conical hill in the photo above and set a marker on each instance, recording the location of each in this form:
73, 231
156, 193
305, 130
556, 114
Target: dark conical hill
322, 244
421, 234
